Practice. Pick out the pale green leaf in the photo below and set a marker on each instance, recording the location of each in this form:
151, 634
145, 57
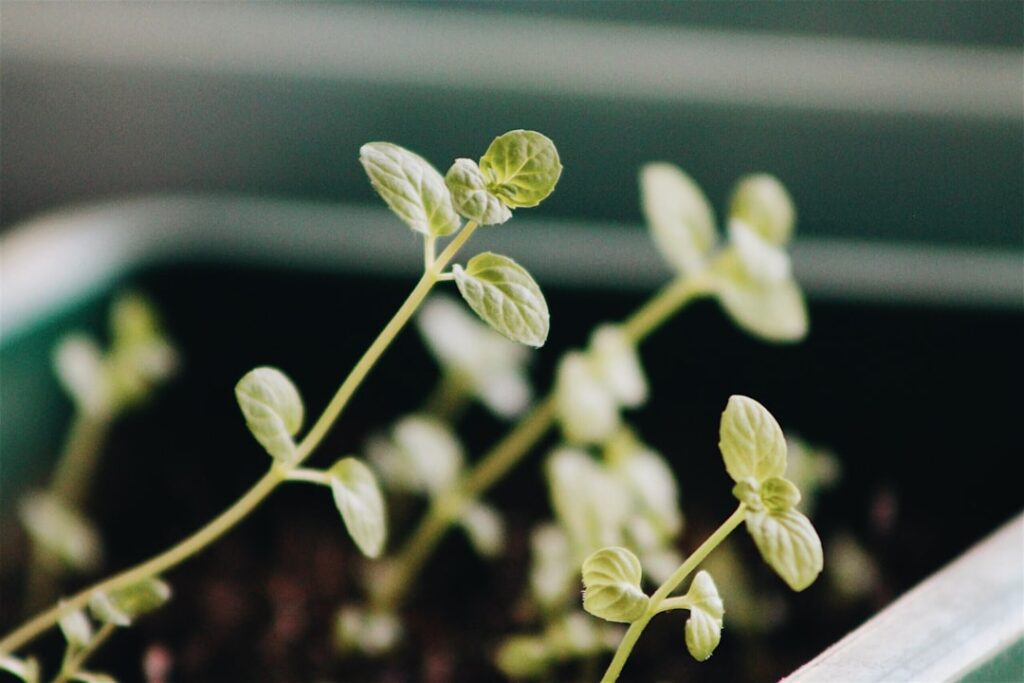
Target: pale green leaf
413, 188
586, 408
123, 605
422, 455
521, 657
26, 669
779, 494
591, 505
361, 504
552, 570
82, 372
762, 202
704, 626
617, 363
521, 167
611, 585
773, 311
273, 410
372, 632
789, 544
504, 295
762, 262
76, 628
63, 532
493, 368
472, 199
484, 527
653, 486
679, 215
751, 441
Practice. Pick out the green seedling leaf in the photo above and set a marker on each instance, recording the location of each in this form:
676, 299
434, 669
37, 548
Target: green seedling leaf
704, 627
76, 628
485, 529
763, 263
653, 485
617, 364
591, 505
751, 441
492, 367
472, 199
789, 544
521, 657
66, 534
779, 494
372, 632
773, 311
611, 581
521, 167
358, 498
25, 669
412, 188
122, 606
587, 410
82, 372
552, 572
504, 295
679, 215
422, 456
763, 203
273, 410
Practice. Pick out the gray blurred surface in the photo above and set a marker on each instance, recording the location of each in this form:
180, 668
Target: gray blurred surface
910, 140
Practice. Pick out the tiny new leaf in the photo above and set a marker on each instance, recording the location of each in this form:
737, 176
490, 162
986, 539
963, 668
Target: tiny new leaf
359, 500
76, 628
762, 202
679, 215
587, 410
504, 295
617, 363
772, 310
611, 580
121, 606
521, 167
470, 194
751, 441
789, 544
704, 627
272, 408
413, 188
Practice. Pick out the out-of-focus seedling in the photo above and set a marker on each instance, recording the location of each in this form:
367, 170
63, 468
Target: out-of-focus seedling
103, 385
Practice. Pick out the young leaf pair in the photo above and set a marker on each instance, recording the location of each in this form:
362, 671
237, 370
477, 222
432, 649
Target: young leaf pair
519, 169
754, 451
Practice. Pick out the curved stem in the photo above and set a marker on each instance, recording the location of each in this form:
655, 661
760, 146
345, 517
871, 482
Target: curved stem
265, 486
511, 450
74, 664
684, 570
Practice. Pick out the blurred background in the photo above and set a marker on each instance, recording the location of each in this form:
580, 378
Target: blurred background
887, 120
897, 126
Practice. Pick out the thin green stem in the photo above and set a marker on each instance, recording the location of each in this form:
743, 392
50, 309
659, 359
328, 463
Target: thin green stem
684, 570
513, 448
265, 486
663, 306
310, 476
73, 665
669, 604
448, 399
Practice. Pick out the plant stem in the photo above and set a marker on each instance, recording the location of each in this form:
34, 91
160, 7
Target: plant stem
448, 399
684, 570
75, 663
69, 485
510, 450
446, 507
266, 485
663, 306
